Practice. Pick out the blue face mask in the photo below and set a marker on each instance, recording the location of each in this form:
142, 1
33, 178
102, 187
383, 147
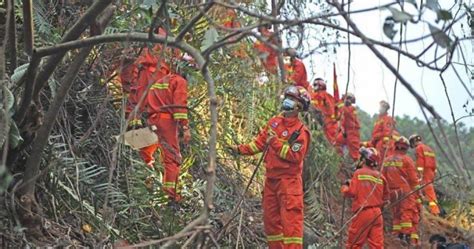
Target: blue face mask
288, 105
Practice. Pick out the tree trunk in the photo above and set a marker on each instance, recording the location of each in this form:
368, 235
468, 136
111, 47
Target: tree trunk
28, 28
11, 37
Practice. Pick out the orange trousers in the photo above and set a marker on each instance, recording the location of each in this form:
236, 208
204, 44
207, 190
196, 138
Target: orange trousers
351, 141
283, 212
330, 130
404, 213
170, 155
429, 190
367, 226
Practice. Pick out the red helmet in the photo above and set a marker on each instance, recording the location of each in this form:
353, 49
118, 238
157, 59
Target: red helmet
402, 143
319, 84
413, 139
300, 94
370, 155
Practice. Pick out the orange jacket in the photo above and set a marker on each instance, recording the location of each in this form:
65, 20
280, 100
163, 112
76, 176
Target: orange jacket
425, 157
168, 94
399, 169
324, 102
349, 120
267, 54
282, 159
230, 20
297, 74
383, 129
368, 188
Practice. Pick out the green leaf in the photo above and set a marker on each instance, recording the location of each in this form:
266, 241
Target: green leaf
432, 5
19, 72
444, 15
389, 28
400, 16
14, 138
411, 1
440, 37
210, 37
10, 99
147, 4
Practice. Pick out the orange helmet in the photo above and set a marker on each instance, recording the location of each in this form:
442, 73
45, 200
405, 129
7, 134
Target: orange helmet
370, 155
402, 143
300, 94
319, 84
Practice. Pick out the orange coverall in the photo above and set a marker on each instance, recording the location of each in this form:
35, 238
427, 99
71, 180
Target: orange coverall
297, 73
368, 188
349, 132
399, 170
166, 104
267, 55
324, 102
283, 189
384, 135
426, 166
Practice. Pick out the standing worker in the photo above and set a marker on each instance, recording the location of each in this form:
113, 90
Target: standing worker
348, 134
368, 189
399, 170
166, 106
384, 133
284, 142
324, 102
295, 69
426, 166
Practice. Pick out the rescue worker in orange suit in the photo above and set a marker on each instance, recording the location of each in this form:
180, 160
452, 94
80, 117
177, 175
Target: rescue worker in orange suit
324, 102
295, 69
348, 134
267, 54
384, 133
426, 166
166, 106
399, 170
285, 141
368, 189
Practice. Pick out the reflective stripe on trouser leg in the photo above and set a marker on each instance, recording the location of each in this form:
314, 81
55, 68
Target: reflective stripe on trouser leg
291, 201
271, 214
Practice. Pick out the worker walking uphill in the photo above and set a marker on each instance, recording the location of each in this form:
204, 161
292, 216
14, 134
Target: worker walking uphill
325, 103
348, 133
399, 170
384, 133
368, 189
295, 69
285, 141
166, 106
426, 166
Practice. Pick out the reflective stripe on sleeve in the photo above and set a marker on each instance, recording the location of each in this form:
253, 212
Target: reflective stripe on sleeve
160, 86
370, 178
253, 147
393, 164
406, 224
180, 115
429, 154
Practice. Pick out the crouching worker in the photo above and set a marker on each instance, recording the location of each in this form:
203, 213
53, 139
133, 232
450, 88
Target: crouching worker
284, 142
368, 189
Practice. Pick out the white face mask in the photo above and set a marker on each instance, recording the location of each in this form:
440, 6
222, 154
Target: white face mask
382, 110
287, 59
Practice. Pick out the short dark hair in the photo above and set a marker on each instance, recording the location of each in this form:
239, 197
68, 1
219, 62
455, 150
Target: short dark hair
437, 238
319, 79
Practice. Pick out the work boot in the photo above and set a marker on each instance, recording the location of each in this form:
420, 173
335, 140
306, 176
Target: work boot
404, 239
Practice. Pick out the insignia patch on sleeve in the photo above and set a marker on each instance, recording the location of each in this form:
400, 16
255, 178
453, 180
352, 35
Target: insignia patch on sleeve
274, 124
296, 147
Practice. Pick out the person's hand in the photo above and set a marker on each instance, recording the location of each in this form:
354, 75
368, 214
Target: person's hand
344, 188
135, 124
270, 135
234, 148
186, 136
